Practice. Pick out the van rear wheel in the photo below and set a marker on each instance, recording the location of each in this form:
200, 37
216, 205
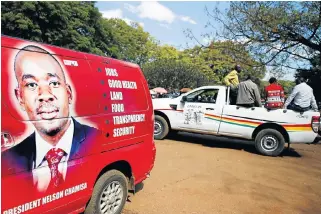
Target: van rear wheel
269, 142
109, 195
161, 128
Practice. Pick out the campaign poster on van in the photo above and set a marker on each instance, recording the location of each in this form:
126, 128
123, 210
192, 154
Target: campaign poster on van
53, 120
42, 138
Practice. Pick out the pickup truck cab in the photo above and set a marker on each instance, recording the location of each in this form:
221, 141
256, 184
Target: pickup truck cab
207, 110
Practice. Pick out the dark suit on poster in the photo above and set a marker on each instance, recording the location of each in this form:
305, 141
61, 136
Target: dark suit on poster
22, 156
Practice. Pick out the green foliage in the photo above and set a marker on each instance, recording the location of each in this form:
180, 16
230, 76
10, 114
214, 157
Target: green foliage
286, 84
131, 43
74, 25
224, 56
169, 73
275, 32
165, 52
313, 74
279, 34
80, 26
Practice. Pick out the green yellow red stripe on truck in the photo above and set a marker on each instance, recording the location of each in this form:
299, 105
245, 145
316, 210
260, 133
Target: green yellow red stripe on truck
232, 121
254, 124
244, 122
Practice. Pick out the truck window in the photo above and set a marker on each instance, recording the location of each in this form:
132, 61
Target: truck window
203, 96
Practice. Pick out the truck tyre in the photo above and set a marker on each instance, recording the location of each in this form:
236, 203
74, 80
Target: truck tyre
109, 195
161, 128
269, 142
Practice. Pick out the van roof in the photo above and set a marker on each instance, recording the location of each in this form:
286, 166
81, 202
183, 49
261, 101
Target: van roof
10, 41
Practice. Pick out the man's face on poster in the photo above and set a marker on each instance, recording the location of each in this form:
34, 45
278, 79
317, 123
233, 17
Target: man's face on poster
42, 91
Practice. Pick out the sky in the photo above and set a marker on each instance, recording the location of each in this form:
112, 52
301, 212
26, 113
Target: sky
166, 21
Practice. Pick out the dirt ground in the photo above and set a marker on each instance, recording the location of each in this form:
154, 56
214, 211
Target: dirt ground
204, 174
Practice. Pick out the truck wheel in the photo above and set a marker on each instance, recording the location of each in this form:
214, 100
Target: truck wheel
161, 128
269, 142
109, 195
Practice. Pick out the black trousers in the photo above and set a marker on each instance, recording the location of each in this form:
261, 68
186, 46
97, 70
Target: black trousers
247, 105
233, 95
294, 107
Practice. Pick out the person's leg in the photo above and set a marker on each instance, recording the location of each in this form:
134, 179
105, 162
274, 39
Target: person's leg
233, 94
294, 107
247, 105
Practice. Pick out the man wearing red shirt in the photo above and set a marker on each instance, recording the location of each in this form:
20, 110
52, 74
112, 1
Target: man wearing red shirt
274, 95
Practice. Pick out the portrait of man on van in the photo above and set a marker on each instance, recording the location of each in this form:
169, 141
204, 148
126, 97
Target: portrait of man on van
45, 97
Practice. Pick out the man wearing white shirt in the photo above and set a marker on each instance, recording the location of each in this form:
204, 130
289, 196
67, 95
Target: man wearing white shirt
301, 98
42, 176
45, 96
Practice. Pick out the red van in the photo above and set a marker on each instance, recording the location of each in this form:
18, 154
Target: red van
76, 130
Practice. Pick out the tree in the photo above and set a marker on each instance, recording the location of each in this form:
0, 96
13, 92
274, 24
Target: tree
131, 42
223, 60
169, 73
276, 33
287, 86
165, 52
74, 25
313, 74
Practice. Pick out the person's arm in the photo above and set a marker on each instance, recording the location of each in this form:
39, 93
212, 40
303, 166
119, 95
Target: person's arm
229, 77
314, 103
291, 97
266, 93
236, 77
282, 94
257, 96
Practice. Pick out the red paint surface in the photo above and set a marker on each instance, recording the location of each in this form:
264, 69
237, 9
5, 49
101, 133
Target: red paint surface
138, 149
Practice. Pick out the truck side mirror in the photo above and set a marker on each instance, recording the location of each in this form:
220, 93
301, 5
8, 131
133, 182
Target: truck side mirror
184, 99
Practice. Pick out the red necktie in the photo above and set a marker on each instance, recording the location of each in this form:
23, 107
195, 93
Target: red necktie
54, 157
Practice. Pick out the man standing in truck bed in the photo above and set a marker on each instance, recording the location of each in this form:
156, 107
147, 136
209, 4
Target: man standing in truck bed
232, 80
248, 94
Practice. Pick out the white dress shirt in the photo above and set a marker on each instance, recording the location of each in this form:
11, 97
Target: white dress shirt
302, 95
41, 172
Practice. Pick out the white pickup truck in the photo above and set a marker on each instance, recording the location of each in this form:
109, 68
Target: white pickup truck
207, 110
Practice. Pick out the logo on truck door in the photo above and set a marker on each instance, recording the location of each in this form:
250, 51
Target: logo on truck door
193, 114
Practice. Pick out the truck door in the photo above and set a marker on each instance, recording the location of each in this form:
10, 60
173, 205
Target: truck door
201, 111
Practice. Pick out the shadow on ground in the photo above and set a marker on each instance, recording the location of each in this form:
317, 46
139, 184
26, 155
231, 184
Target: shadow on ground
226, 143
138, 188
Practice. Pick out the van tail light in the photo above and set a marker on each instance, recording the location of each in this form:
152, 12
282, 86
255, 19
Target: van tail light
6, 141
315, 123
